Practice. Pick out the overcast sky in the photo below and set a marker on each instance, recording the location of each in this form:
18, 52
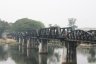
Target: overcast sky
50, 11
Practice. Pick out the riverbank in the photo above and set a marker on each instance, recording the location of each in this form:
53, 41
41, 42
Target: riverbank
7, 41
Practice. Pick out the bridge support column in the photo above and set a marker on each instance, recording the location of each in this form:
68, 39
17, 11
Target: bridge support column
20, 41
28, 43
24, 43
43, 49
20, 44
33, 43
17, 38
71, 57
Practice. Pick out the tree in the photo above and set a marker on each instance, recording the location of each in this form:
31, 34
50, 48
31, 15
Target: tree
72, 23
26, 24
3, 27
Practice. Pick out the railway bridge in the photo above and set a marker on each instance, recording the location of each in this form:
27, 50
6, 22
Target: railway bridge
70, 38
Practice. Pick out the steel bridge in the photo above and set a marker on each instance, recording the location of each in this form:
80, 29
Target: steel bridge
70, 38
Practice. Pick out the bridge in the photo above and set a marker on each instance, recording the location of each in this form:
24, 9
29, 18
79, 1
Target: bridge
70, 38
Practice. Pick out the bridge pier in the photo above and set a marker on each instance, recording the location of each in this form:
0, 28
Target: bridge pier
33, 43
17, 38
23, 46
20, 41
24, 43
28, 43
71, 57
43, 49
20, 44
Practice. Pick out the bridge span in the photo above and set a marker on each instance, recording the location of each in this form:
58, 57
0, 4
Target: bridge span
69, 38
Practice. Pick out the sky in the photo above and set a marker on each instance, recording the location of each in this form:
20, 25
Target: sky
50, 11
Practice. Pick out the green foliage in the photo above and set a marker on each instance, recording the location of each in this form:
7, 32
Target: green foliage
3, 26
26, 24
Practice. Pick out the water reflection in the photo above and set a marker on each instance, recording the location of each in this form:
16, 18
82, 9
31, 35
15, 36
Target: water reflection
9, 60
55, 57
42, 59
21, 55
3, 54
82, 59
92, 55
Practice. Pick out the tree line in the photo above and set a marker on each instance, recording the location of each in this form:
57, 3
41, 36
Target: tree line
25, 24
20, 25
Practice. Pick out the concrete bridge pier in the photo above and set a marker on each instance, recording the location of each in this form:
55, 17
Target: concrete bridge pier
17, 39
71, 57
23, 46
20, 44
24, 43
33, 43
20, 41
36, 43
28, 43
43, 48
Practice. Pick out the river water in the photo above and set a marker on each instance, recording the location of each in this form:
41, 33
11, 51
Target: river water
15, 55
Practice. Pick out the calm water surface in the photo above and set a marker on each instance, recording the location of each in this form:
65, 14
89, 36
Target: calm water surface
15, 55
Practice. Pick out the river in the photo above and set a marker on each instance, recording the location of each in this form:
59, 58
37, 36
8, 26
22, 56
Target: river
14, 55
